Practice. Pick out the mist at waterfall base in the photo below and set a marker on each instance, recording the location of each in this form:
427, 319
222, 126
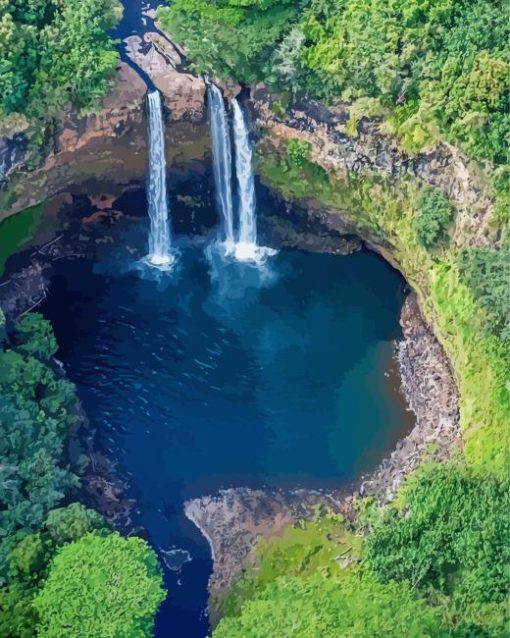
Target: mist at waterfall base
209, 377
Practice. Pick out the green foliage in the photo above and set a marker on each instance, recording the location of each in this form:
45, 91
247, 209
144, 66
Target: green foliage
119, 579
323, 546
441, 67
329, 608
17, 616
16, 231
298, 153
451, 536
36, 412
53, 52
487, 273
481, 362
68, 524
104, 586
229, 38
434, 216
34, 337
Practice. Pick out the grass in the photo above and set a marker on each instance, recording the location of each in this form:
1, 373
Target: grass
16, 231
318, 547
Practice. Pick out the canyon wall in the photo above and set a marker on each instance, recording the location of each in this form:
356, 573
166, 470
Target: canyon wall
108, 148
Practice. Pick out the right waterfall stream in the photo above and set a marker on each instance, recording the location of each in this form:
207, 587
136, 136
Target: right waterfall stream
240, 230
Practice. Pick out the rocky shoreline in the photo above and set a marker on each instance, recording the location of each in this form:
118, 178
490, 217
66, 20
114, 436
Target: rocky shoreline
235, 519
431, 393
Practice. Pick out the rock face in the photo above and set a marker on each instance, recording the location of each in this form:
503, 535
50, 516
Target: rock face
464, 181
110, 147
282, 224
430, 391
184, 93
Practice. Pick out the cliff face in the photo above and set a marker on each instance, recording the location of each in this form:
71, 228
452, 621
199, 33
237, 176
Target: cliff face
108, 148
465, 182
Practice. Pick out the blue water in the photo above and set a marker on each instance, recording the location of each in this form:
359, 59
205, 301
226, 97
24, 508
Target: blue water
219, 376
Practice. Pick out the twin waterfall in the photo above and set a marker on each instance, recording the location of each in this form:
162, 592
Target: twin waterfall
239, 231
159, 237
239, 222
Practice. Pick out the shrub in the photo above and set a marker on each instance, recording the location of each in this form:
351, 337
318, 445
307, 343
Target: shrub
451, 535
487, 273
331, 608
433, 217
298, 152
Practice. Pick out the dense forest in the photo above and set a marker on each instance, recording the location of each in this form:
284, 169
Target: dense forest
52, 53
438, 68
58, 559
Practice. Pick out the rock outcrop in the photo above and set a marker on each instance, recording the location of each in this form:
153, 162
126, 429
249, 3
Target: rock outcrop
464, 181
109, 148
235, 519
431, 393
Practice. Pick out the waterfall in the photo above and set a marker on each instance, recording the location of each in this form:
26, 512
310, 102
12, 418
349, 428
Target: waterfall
159, 237
222, 162
247, 239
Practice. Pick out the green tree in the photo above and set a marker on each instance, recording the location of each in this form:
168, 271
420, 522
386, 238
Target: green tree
53, 52
451, 534
487, 273
329, 608
433, 217
67, 524
104, 586
34, 336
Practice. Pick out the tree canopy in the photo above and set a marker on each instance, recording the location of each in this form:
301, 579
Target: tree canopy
441, 67
53, 52
105, 586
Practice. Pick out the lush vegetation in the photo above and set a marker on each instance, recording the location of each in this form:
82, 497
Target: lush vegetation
48, 553
53, 52
230, 38
444, 544
100, 586
435, 564
440, 67
330, 608
433, 217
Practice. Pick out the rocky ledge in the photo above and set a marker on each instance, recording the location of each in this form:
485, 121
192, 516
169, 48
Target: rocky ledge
369, 150
235, 519
430, 391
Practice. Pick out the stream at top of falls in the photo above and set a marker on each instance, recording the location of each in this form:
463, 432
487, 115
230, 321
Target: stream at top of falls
220, 374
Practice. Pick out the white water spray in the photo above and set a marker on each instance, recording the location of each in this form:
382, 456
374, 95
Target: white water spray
159, 237
246, 246
222, 162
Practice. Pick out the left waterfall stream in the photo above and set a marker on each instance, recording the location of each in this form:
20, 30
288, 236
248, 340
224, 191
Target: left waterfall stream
160, 255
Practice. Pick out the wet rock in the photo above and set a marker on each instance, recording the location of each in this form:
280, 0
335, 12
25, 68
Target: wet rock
184, 93
13, 150
281, 224
431, 393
